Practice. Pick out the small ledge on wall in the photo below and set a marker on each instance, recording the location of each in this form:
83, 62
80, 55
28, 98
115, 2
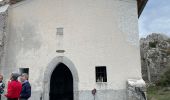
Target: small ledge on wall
101, 85
60, 51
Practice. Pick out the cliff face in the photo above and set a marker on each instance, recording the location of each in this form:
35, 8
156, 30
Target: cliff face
155, 56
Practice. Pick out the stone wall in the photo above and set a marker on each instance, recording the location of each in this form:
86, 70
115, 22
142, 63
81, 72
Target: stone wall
3, 32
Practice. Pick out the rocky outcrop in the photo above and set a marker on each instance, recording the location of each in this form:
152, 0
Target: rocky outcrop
136, 89
3, 2
155, 55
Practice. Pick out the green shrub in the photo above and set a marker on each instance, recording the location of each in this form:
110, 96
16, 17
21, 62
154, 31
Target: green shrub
168, 51
153, 44
165, 79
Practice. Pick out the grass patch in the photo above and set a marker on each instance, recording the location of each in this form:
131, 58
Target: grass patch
161, 90
158, 93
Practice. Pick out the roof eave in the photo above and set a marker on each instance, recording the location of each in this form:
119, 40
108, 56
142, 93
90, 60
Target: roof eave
141, 5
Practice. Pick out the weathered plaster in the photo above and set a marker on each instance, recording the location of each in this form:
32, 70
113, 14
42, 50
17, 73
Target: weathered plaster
96, 33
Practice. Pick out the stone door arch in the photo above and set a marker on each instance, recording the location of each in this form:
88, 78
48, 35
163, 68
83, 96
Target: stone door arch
49, 70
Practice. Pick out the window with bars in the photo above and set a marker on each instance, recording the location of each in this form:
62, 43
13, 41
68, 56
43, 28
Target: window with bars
24, 70
101, 74
60, 31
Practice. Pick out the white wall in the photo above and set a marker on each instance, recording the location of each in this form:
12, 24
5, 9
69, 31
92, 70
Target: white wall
96, 32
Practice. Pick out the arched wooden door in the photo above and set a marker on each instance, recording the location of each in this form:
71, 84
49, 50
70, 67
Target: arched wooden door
61, 83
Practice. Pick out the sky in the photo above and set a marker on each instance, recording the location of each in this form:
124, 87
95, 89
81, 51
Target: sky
155, 18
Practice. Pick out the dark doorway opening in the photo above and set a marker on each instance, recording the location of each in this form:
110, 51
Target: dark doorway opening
61, 83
